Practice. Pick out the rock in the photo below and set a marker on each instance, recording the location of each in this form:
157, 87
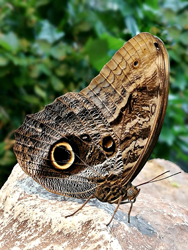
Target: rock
33, 218
173, 189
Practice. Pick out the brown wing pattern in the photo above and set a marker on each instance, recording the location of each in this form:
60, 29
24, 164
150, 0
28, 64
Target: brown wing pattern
70, 118
132, 92
111, 126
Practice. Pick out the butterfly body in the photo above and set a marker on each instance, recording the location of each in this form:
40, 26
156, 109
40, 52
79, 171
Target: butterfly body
110, 191
95, 142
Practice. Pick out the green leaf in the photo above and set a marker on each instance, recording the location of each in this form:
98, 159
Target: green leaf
173, 54
31, 99
40, 92
56, 83
48, 32
97, 51
100, 28
169, 15
83, 26
182, 19
59, 51
152, 3
174, 31
183, 142
42, 2
132, 25
9, 42
125, 8
17, 59
4, 44
167, 136
148, 10
38, 69
180, 82
42, 47
113, 42
184, 38
62, 70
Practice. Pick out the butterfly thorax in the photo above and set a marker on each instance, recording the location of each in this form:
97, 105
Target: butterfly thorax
111, 191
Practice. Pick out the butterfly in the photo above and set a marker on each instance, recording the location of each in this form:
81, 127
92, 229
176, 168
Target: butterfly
93, 144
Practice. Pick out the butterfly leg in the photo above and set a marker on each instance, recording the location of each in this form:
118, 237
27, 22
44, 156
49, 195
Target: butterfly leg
119, 202
130, 209
92, 196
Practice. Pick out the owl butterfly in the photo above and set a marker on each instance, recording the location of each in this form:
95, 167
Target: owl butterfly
95, 142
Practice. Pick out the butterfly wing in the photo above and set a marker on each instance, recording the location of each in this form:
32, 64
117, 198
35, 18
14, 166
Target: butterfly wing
70, 128
132, 92
109, 128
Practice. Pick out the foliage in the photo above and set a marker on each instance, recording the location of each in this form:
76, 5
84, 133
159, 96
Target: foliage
50, 47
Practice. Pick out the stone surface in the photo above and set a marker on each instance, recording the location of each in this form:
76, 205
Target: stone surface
174, 189
33, 218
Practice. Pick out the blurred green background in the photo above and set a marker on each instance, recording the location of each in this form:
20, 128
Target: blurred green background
49, 47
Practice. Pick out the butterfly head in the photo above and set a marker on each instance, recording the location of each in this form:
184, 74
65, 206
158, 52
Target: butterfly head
132, 193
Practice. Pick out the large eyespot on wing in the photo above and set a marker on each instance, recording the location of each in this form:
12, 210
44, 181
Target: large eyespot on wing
62, 155
61, 147
132, 91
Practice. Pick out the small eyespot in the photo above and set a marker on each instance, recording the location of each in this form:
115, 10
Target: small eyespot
62, 155
135, 64
108, 144
85, 137
156, 45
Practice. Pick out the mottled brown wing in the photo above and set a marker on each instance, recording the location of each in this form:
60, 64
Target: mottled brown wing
109, 128
132, 92
76, 128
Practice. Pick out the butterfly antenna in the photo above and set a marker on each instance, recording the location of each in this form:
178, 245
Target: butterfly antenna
154, 179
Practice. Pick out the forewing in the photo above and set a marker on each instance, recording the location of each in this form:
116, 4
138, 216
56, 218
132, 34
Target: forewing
132, 91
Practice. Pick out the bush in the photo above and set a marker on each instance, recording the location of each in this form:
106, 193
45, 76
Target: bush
50, 47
